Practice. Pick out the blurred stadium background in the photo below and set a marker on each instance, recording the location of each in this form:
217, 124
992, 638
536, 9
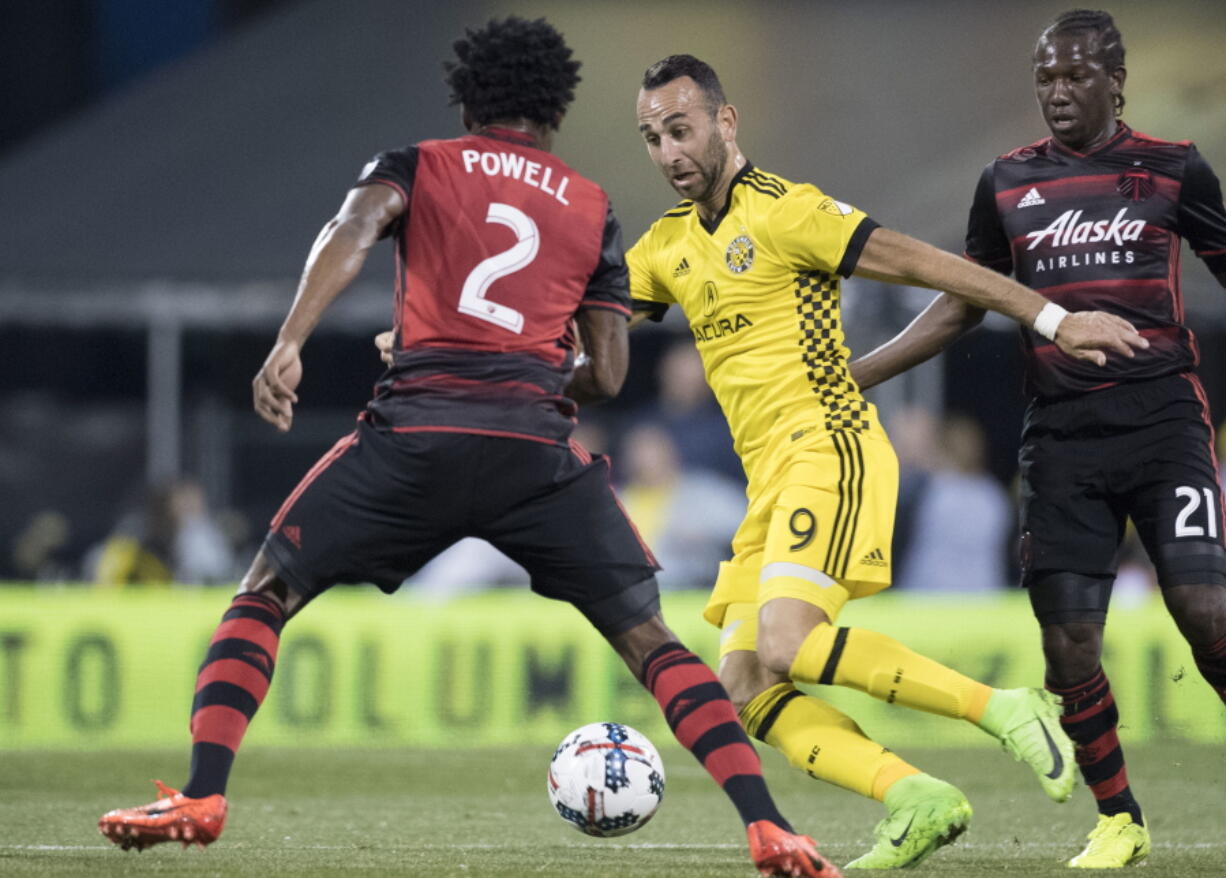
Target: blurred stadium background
164, 168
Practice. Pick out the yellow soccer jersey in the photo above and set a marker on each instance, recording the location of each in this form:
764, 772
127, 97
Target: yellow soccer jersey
760, 288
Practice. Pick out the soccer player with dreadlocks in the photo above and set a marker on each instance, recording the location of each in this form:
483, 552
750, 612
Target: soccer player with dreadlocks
1092, 217
502, 250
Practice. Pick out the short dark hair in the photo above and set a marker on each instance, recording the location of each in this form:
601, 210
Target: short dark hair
1110, 43
677, 66
513, 69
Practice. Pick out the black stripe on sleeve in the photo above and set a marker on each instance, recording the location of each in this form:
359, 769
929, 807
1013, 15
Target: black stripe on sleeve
856, 246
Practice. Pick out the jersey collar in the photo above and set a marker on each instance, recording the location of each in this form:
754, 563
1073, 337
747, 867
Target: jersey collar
1121, 131
521, 138
710, 227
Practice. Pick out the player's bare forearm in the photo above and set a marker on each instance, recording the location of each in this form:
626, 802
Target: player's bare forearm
897, 258
337, 256
606, 356
943, 321
1086, 335
334, 261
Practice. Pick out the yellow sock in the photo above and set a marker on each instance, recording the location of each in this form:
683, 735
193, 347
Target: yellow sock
822, 741
885, 669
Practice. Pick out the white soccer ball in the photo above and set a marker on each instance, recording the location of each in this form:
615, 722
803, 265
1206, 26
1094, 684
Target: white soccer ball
606, 779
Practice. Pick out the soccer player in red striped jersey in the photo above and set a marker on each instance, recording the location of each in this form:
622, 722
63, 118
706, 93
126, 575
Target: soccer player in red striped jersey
502, 250
1092, 217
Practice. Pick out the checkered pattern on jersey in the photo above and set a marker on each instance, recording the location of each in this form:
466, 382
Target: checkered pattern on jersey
821, 337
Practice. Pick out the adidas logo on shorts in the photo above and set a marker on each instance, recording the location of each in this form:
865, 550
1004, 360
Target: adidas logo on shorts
875, 558
1032, 199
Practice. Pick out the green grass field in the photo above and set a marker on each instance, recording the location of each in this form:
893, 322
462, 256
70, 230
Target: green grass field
485, 813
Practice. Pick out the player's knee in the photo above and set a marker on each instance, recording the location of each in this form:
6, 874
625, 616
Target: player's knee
777, 652
746, 680
1199, 612
1073, 651
262, 579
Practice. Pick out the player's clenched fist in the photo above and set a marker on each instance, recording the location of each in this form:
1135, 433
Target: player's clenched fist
274, 385
1088, 335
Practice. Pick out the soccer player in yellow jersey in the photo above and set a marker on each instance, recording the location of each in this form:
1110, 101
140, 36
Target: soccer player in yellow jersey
754, 261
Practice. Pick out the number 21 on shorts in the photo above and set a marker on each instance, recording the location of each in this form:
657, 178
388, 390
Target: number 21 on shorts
1191, 503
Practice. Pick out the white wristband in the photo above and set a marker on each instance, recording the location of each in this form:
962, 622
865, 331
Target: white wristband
1048, 320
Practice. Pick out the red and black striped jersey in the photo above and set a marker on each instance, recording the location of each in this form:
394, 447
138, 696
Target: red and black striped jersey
1101, 231
499, 246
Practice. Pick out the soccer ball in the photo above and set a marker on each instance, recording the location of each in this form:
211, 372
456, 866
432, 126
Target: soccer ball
606, 779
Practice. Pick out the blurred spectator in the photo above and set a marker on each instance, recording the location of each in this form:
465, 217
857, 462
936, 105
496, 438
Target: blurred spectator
963, 519
38, 550
172, 537
912, 431
687, 516
1136, 581
686, 408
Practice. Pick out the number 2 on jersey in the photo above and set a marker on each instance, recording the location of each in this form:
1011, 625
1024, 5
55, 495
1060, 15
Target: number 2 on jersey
519, 256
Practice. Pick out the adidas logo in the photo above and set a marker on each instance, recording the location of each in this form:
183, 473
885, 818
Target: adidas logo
875, 558
682, 269
1032, 199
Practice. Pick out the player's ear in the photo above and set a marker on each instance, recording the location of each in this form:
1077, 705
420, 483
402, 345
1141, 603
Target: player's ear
466, 118
726, 118
1118, 75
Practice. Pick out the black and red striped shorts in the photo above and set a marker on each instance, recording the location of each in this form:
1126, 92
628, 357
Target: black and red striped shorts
381, 503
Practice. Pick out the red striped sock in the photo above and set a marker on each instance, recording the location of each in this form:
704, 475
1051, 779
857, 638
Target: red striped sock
230, 688
1091, 719
1212, 665
703, 719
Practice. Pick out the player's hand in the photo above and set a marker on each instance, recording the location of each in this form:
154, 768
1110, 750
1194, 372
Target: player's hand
275, 383
1091, 335
385, 342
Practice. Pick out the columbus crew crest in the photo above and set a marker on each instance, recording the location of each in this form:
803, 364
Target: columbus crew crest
739, 255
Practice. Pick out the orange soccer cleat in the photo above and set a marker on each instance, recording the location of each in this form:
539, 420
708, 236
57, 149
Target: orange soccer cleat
777, 852
174, 817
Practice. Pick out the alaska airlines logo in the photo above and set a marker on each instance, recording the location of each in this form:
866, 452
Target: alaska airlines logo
725, 326
1068, 228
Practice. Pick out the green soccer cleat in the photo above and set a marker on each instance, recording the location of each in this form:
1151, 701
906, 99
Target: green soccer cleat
1114, 843
924, 814
1027, 722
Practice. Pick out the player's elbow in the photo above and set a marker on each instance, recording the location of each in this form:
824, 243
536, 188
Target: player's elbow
606, 380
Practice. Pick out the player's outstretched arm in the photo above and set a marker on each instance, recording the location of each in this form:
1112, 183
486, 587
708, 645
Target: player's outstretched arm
1087, 335
944, 320
606, 348
334, 261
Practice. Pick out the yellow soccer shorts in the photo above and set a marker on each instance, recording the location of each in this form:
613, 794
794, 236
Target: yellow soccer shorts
818, 529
